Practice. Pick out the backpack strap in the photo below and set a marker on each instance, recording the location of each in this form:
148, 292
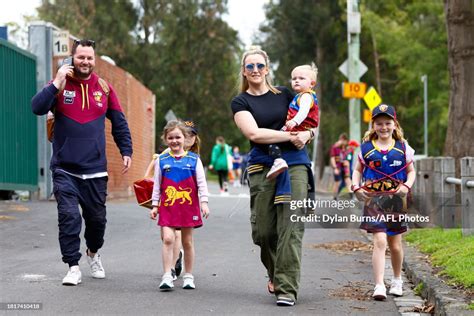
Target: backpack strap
105, 86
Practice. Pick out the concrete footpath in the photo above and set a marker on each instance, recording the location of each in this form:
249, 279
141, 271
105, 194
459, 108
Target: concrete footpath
336, 271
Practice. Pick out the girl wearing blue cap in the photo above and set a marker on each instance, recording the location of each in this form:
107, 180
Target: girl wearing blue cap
382, 179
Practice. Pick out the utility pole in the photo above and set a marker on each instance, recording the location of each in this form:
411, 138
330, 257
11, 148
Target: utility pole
424, 79
353, 68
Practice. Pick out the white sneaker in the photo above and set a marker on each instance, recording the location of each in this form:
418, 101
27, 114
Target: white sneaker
73, 276
97, 270
396, 287
279, 166
166, 282
380, 292
188, 281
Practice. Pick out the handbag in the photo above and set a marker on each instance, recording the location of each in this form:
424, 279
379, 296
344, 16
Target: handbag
143, 191
144, 187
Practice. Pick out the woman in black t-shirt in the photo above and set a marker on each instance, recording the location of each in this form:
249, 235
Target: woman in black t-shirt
260, 112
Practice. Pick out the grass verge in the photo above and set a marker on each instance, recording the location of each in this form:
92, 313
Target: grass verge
448, 250
419, 289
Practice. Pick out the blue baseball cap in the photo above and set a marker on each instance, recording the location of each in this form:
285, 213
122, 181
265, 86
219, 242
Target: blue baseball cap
192, 127
384, 109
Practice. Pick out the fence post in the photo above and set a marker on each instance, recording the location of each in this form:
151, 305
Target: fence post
417, 188
417, 184
445, 193
425, 195
467, 195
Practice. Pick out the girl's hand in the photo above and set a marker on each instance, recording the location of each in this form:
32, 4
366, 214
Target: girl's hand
299, 139
402, 190
361, 195
154, 212
205, 209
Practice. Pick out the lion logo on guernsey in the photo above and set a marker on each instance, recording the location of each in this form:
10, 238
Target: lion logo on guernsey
173, 194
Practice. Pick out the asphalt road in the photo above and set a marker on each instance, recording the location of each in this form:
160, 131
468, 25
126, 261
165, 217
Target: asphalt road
229, 276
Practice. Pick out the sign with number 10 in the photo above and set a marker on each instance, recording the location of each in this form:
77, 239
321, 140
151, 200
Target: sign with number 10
353, 90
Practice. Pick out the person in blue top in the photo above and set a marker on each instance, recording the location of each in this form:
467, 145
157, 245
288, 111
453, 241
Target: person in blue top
236, 166
81, 101
382, 179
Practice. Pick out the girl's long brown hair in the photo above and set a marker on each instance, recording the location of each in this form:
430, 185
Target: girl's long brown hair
196, 147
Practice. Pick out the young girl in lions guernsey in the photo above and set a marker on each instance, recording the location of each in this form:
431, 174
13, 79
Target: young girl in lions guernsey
179, 196
382, 179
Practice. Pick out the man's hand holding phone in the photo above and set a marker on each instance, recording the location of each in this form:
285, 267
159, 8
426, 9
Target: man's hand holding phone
67, 69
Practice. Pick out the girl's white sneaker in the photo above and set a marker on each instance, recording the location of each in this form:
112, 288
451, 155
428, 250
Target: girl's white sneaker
166, 282
188, 281
380, 292
396, 287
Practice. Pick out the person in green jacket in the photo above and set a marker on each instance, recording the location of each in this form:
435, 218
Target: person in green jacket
221, 153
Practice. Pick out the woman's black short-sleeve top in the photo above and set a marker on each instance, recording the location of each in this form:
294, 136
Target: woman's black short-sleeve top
269, 110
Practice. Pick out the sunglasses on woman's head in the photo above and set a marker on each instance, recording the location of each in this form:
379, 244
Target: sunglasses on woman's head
251, 67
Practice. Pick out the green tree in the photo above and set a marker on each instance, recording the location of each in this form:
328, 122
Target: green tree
400, 41
300, 32
181, 50
196, 74
404, 38
110, 23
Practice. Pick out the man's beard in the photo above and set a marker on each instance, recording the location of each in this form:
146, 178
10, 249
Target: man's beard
82, 75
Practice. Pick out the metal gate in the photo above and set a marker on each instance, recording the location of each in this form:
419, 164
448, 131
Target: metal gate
18, 125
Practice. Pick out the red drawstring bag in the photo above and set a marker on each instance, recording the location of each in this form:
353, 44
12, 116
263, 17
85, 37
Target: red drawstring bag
143, 191
144, 187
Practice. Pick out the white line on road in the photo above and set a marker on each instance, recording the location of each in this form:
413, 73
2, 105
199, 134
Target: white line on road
238, 196
33, 277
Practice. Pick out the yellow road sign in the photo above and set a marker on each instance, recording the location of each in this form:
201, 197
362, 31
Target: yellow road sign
353, 90
372, 98
367, 116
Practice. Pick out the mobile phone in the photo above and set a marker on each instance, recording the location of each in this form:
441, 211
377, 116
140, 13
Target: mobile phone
68, 61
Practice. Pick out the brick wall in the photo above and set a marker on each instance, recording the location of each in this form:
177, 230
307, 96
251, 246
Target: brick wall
138, 104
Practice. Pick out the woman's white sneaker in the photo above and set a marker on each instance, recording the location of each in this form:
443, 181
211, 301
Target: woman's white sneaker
396, 287
73, 276
188, 281
380, 292
166, 282
97, 270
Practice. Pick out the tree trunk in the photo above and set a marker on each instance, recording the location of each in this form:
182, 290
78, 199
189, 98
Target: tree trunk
460, 29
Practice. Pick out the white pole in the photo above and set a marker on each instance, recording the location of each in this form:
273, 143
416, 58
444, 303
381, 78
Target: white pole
424, 79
